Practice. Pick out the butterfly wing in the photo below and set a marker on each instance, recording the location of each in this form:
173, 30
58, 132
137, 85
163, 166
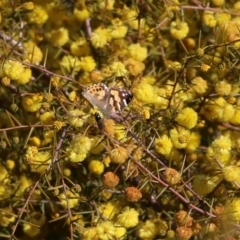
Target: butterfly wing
110, 101
119, 98
97, 96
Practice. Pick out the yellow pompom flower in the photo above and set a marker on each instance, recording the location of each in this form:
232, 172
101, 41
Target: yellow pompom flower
105, 195
199, 85
179, 29
38, 15
231, 174
145, 112
40, 161
120, 132
235, 119
204, 184
26, 76
90, 234
85, 78
106, 5
213, 155
120, 232
149, 94
147, 230
48, 137
78, 148
71, 64
109, 210
130, 17
228, 113
162, 226
163, 145
82, 14
10, 164
137, 52
105, 230
80, 47
213, 110
222, 144
107, 161
31, 226
24, 183
55, 11
194, 141
13, 69
69, 199
230, 31
58, 125
209, 19
106, 72
6, 217
76, 118
96, 76
149, 79
72, 96
134, 67
205, 67
118, 69
96, 167
222, 18
223, 88
128, 218
232, 209
97, 145
100, 37
87, 63
32, 52
58, 37
117, 29
173, 65
187, 118
32, 103
119, 155
220, 150
67, 172
47, 118
144, 92
218, 3
35, 141
180, 137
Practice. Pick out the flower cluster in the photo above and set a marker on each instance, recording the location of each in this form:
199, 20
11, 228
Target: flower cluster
120, 168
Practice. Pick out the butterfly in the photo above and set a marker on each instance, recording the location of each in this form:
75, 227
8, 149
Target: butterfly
110, 101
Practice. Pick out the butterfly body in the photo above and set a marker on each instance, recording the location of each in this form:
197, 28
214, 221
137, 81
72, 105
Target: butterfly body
110, 101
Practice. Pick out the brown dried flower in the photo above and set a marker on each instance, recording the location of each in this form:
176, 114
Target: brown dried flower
110, 180
171, 176
183, 233
132, 194
183, 218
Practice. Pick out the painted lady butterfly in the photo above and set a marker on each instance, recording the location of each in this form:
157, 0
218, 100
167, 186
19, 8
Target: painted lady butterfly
110, 101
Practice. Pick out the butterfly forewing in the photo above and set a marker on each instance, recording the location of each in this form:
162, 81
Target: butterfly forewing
96, 95
119, 98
